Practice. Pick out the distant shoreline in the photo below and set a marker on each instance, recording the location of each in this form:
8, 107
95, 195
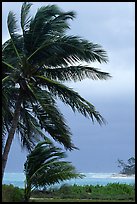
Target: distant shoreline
108, 174
123, 175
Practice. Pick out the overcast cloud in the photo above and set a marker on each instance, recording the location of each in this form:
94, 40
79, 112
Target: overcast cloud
112, 25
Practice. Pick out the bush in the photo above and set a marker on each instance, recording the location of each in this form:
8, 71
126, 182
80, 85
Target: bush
11, 193
109, 192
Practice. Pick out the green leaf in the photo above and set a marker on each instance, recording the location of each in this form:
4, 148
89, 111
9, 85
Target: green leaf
71, 98
75, 73
12, 27
12, 23
50, 118
44, 166
25, 19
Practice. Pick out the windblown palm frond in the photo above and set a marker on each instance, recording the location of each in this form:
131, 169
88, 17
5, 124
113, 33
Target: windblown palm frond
48, 21
8, 105
44, 166
50, 118
12, 23
25, 19
12, 27
71, 98
66, 49
73, 73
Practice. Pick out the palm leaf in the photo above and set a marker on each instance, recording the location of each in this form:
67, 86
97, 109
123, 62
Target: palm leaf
43, 166
48, 19
7, 108
29, 135
25, 19
12, 23
29, 129
67, 49
75, 73
12, 27
71, 98
50, 118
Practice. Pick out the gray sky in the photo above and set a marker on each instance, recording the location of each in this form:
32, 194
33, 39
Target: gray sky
112, 25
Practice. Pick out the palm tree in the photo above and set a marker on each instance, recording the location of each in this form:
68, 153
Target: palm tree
36, 63
44, 166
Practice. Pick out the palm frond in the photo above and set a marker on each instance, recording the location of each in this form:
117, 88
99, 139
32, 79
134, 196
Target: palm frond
5, 79
60, 24
49, 18
50, 118
71, 98
12, 27
75, 73
12, 23
7, 65
25, 19
49, 21
44, 166
67, 49
29, 129
7, 105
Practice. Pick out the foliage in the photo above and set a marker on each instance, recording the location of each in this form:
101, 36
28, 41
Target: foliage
118, 192
113, 191
11, 193
44, 166
127, 168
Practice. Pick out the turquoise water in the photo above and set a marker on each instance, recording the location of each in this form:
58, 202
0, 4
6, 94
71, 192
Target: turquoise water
17, 179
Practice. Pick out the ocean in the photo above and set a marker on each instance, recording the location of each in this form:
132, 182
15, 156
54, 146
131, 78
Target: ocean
17, 179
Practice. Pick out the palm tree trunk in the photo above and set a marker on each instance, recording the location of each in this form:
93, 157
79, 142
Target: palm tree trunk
11, 134
27, 192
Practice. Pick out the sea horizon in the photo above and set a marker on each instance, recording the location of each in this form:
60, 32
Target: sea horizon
91, 178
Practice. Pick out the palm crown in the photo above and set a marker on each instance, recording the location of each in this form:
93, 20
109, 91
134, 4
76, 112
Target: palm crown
36, 63
45, 165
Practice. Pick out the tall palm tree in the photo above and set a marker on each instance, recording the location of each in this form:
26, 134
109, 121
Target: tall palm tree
45, 166
36, 63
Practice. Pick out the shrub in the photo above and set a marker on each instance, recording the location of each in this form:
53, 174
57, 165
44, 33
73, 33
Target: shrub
114, 191
109, 192
11, 193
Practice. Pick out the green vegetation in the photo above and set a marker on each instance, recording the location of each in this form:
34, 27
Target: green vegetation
11, 193
109, 192
128, 168
45, 166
